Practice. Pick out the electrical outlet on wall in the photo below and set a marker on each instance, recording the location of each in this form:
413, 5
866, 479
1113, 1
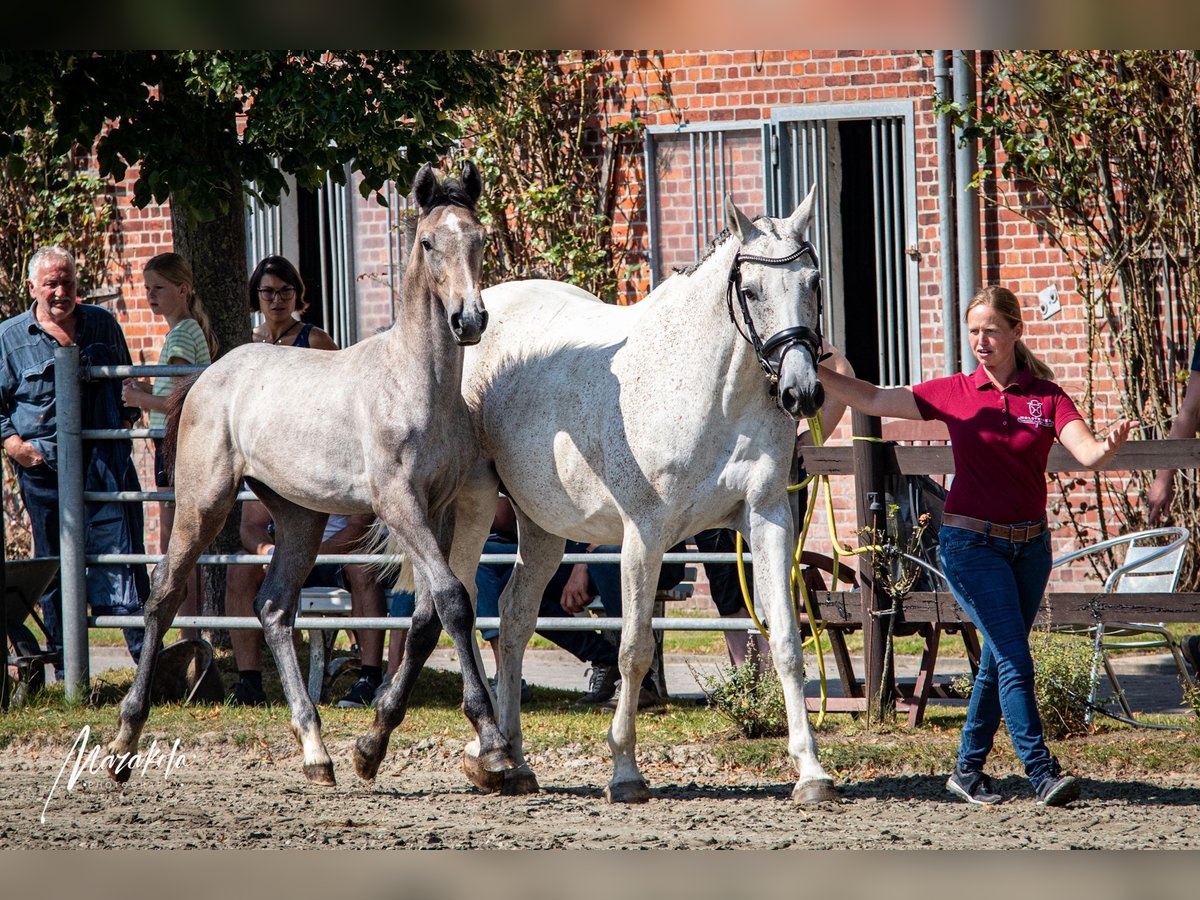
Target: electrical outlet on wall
1048, 302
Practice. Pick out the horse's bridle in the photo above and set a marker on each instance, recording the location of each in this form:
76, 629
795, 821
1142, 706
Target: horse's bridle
783, 341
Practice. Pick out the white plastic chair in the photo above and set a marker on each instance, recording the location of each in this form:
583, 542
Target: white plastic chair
1152, 563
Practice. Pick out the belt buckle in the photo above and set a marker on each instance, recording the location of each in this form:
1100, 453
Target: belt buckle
1024, 538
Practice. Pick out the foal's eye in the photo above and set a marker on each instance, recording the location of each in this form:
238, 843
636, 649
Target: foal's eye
426, 244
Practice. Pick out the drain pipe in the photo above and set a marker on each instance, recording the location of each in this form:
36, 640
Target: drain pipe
946, 218
967, 201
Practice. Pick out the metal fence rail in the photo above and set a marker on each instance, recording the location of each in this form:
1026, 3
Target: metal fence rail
75, 620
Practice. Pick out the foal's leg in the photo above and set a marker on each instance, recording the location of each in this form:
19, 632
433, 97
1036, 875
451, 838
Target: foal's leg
200, 512
640, 566
771, 538
441, 598
298, 534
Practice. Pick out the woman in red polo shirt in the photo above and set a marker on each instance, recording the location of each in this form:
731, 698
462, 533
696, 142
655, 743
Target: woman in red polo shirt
994, 544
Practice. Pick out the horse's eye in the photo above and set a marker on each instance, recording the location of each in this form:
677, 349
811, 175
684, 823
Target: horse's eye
750, 295
426, 244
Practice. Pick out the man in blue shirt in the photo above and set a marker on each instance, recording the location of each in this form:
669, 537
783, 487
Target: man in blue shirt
29, 432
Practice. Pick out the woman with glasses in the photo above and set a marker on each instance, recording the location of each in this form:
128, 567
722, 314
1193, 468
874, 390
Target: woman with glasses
277, 291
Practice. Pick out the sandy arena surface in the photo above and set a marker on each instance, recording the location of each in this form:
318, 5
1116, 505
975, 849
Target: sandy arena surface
226, 796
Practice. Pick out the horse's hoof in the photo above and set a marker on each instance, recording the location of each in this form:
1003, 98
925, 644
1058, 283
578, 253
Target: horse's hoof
487, 781
367, 758
820, 790
320, 773
498, 760
628, 792
519, 782
119, 773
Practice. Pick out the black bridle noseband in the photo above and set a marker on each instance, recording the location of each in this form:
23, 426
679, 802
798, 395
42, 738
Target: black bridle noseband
786, 340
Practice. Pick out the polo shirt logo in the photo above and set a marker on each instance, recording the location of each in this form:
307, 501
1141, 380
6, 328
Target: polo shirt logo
1035, 415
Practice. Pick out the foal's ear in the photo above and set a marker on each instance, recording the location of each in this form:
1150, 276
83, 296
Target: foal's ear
736, 220
471, 180
424, 186
799, 221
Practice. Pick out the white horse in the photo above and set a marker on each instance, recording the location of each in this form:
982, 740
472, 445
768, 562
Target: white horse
642, 425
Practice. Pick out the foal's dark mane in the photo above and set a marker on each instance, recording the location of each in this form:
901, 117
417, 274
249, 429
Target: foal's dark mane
450, 192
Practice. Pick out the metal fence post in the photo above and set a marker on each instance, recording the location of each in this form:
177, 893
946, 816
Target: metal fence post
71, 519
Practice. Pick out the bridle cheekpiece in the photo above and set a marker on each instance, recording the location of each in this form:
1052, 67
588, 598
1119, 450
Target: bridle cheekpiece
771, 352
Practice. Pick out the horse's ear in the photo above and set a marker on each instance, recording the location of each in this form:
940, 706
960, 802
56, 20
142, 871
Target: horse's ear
424, 186
471, 180
799, 221
736, 220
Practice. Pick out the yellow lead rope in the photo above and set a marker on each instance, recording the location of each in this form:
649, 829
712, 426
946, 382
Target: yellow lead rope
796, 581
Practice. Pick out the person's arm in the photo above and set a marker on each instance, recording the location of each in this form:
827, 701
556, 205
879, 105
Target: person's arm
130, 415
1089, 450
1162, 489
575, 596
833, 409
253, 530
897, 402
347, 540
320, 340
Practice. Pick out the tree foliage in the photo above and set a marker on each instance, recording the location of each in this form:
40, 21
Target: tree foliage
49, 198
1103, 152
550, 154
207, 126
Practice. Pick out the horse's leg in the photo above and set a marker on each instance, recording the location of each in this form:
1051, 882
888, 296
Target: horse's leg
539, 555
200, 512
298, 533
640, 565
771, 543
441, 598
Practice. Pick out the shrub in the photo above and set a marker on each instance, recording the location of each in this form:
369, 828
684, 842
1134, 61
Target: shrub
751, 700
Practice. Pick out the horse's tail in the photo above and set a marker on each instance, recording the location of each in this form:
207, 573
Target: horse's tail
379, 539
174, 412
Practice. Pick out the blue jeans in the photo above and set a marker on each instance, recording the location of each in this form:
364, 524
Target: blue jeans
1000, 585
110, 591
490, 580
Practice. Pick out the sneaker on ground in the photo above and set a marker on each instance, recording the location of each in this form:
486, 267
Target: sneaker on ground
245, 693
361, 694
648, 696
601, 685
974, 787
1057, 790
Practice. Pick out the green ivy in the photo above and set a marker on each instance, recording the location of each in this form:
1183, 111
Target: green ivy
1101, 152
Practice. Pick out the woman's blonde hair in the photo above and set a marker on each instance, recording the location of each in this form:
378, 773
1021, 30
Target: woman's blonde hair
1005, 302
178, 270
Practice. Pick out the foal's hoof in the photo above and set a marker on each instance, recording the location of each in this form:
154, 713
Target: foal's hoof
520, 782
320, 773
820, 790
498, 760
487, 781
117, 771
367, 757
628, 792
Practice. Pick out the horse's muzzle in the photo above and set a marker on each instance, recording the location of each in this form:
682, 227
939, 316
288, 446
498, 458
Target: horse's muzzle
802, 404
468, 330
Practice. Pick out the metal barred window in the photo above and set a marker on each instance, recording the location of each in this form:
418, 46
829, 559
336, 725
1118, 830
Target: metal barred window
860, 157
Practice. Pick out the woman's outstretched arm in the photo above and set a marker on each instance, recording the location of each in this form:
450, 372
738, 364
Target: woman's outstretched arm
897, 402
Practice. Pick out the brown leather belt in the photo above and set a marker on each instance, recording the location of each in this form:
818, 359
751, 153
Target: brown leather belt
1017, 534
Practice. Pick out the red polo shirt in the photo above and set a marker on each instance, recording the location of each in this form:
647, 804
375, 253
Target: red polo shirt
1000, 440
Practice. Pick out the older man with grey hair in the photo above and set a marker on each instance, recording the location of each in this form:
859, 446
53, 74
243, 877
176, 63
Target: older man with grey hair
29, 432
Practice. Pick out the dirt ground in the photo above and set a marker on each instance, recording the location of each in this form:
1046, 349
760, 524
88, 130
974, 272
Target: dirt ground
226, 796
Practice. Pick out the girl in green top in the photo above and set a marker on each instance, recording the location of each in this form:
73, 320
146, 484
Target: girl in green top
190, 342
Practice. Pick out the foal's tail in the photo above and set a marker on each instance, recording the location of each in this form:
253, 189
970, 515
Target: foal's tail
379, 540
174, 411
